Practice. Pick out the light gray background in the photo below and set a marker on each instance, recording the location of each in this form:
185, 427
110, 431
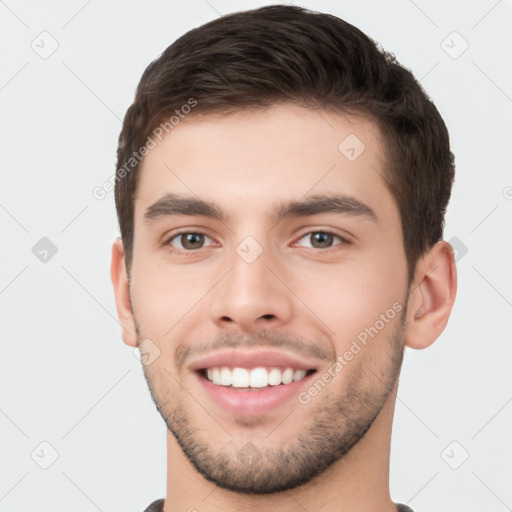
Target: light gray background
67, 379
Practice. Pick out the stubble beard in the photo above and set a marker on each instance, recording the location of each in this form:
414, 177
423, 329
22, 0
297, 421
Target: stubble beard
340, 422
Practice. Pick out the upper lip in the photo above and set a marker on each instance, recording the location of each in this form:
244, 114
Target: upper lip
251, 358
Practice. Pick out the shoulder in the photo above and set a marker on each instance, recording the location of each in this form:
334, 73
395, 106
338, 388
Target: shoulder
403, 508
156, 506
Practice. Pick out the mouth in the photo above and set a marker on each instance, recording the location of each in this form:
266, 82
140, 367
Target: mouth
252, 382
257, 378
248, 382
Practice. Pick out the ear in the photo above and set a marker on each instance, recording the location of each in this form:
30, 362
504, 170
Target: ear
432, 296
122, 293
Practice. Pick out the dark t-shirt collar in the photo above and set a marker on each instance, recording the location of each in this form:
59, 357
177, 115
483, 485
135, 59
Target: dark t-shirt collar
158, 506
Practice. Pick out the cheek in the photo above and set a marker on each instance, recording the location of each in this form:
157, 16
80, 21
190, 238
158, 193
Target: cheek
349, 298
165, 296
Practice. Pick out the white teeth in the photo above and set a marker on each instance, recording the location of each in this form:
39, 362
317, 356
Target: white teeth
274, 377
259, 377
240, 378
288, 376
299, 374
225, 377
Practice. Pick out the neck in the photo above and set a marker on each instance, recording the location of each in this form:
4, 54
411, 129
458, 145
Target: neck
359, 481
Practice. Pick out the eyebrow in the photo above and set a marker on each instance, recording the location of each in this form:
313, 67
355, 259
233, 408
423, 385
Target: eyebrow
173, 204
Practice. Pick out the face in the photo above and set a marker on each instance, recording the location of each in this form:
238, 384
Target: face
269, 286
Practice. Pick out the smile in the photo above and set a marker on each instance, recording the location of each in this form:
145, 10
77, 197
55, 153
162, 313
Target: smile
259, 377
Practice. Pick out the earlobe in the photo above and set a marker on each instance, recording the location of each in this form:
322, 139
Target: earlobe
432, 296
122, 293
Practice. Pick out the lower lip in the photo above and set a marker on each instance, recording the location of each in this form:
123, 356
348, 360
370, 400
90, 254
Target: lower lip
252, 402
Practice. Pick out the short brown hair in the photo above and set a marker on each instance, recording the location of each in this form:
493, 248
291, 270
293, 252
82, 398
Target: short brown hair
288, 54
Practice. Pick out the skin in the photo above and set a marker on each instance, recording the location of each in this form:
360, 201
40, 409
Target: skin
296, 294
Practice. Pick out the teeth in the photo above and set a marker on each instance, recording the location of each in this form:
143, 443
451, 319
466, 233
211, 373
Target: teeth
240, 378
225, 377
274, 377
299, 374
258, 377
287, 376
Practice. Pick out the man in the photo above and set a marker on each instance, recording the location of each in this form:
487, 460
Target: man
281, 191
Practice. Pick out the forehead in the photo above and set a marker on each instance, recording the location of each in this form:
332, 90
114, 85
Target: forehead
249, 160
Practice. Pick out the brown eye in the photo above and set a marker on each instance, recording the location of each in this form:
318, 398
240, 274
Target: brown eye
321, 239
188, 241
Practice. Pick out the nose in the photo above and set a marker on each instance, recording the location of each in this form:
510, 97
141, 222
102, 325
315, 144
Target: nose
252, 297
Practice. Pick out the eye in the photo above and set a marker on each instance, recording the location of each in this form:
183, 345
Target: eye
321, 239
188, 241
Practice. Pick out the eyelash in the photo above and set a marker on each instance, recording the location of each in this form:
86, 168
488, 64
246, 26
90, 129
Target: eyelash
191, 252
